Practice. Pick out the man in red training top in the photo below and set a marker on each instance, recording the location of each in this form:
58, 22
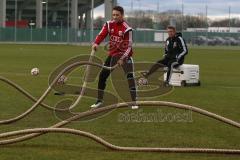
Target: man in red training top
120, 52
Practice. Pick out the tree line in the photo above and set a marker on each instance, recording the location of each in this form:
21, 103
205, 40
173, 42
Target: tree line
153, 20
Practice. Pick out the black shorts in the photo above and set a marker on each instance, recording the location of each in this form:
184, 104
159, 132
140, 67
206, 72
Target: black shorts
127, 66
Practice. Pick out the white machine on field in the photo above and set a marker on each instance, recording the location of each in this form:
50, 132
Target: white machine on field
185, 75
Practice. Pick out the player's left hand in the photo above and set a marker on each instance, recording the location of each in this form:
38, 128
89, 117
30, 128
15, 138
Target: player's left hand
120, 62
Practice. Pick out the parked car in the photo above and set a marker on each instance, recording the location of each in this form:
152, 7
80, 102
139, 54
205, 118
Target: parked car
231, 41
219, 41
200, 40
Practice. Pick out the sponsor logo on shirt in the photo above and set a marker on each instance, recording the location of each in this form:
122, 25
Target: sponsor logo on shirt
115, 39
120, 33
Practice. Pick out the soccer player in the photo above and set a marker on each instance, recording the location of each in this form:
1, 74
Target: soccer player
120, 52
175, 51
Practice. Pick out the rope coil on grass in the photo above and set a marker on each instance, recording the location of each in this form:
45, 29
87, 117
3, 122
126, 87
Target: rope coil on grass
32, 133
118, 148
44, 95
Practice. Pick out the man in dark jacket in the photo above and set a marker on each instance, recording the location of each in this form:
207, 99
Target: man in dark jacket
175, 51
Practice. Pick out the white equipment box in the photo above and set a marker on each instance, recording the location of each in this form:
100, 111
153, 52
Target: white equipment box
185, 75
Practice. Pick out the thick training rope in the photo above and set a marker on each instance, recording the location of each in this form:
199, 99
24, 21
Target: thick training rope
40, 100
119, 148
31, 133
84, 82
38, 132
26, 94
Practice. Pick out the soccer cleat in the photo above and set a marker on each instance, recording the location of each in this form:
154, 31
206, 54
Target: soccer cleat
135, 107
166, 84
97, 104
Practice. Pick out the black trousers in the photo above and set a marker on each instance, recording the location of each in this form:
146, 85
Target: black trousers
128, 69
170, 63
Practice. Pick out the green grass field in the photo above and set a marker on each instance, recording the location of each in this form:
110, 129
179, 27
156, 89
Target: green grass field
219, 93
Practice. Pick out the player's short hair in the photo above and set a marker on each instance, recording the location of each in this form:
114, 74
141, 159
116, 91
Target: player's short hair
119, 8
171, 27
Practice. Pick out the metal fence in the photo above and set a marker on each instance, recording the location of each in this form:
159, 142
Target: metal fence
60, 35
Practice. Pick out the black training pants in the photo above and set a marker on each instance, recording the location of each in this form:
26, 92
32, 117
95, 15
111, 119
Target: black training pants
128, 69
170, 63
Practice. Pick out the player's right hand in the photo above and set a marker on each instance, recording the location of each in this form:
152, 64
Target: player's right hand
94, 46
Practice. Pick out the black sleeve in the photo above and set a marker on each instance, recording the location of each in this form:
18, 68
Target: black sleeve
183, 47
165, 48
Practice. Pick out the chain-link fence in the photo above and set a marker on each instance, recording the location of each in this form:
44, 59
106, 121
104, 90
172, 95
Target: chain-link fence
139, 36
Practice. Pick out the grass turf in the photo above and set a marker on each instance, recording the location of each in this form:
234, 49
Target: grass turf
219, 93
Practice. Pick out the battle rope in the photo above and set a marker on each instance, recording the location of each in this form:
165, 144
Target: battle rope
84, 82
31, 133
40, 100
38, 132
119, 148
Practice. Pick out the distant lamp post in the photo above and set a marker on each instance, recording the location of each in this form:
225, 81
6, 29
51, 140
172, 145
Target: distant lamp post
182, 19
61, 30
15, 19
229, 17
46, 25
68, 21
31, 26
92, 19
